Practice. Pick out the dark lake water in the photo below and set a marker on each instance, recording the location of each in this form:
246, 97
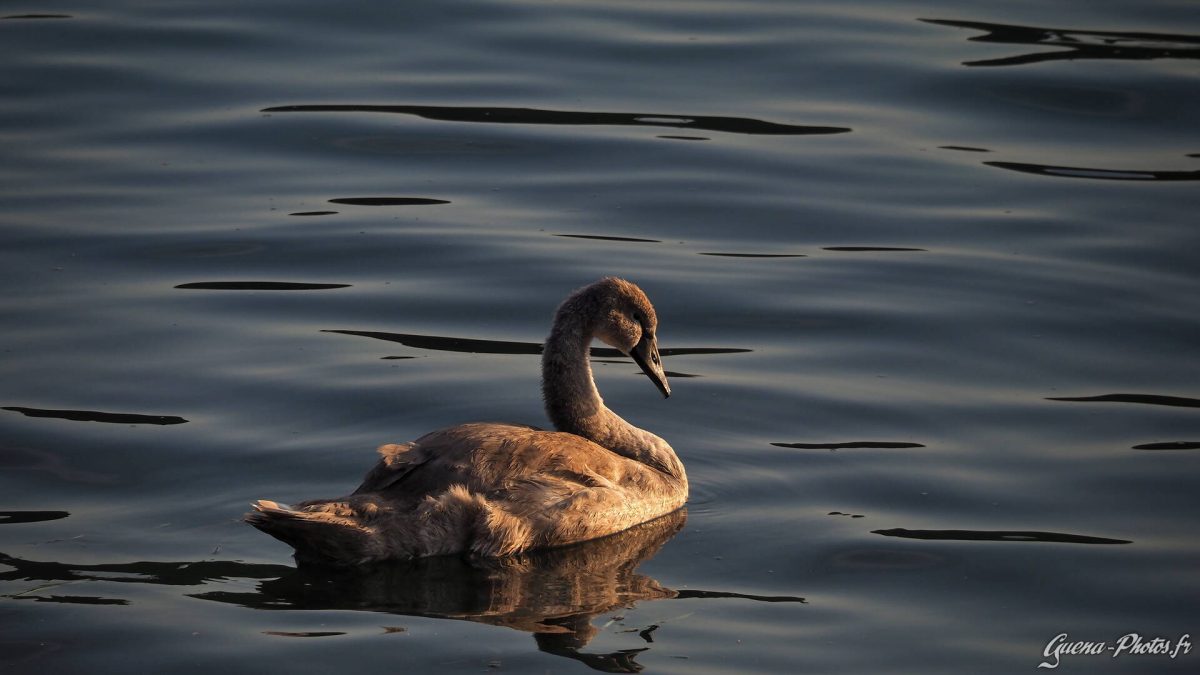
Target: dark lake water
927, 277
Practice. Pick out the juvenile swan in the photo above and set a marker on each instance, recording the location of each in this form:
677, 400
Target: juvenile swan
495, 489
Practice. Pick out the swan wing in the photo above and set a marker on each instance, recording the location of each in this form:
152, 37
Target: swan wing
461, 455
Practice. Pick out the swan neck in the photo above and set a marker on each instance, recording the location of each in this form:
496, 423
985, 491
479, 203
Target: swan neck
572, 401
574, 405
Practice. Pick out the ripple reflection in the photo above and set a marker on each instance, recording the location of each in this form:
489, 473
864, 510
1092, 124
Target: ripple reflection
18, 517
1099, 174
870, 249
998, 535
736, 125
850, 444
604, 237
475, 346
756, 255
304, 634
37, 16
258, 286
1170, 445
553, 595
1147, 399
96, 416
388, 201
1077, 44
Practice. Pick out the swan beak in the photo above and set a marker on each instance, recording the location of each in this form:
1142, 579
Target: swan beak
645, 354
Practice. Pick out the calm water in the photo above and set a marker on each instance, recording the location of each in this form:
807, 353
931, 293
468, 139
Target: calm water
926, 274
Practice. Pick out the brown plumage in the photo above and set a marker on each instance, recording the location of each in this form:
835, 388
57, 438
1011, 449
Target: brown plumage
495, 489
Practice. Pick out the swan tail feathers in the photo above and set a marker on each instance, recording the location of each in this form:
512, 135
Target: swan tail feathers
320, 536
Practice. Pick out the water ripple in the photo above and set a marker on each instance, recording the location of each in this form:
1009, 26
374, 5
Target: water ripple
1169, 445
998, 535
605, 237
1100, 174
304, 634
851, 444
736, 125
94, 416
38, 16
475, 346
17, 517
388, 201
756, 255
869, 249
72, 599
258, 286
1148, 399
1077, 44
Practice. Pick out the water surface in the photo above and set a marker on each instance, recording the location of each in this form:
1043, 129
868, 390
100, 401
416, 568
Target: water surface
926, 278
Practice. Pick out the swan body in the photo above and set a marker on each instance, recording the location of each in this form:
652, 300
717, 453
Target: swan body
497, 489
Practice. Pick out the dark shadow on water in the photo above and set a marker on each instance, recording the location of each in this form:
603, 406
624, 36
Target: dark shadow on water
1147, 399
600, 237
304, 634
1077, 44
473, 346
554, 595
314, 213
71, 599
850, 444
258, 286
449, 344
52, 574
388, 201
998, 535
37, 16
869, 249
1170, 445
737, 125
192, 573
94, 416
1096, 174
756, 255
17, 517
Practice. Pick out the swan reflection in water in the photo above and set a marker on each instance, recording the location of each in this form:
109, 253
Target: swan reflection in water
554, 594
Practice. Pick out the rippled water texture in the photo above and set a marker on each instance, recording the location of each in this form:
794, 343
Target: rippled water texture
926, 276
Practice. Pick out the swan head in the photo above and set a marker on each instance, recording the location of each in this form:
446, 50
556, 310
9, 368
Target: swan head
628, 323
